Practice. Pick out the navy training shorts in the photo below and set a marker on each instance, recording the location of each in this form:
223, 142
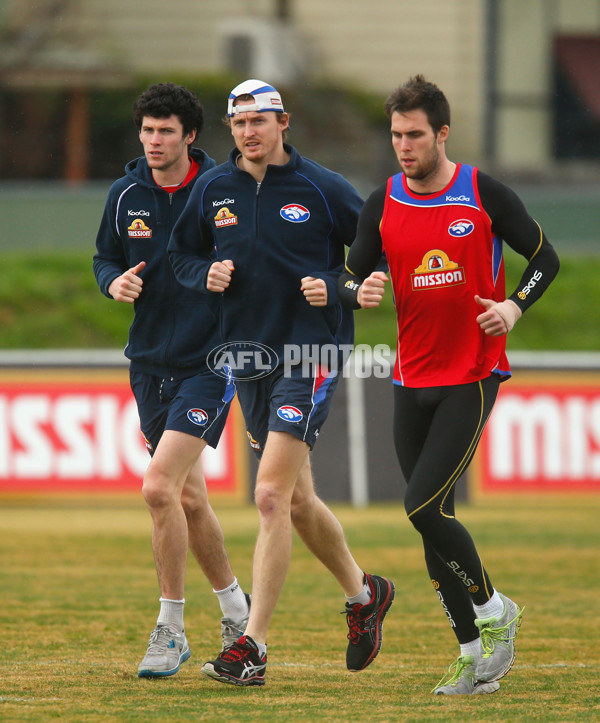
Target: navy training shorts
297, 404
197, 405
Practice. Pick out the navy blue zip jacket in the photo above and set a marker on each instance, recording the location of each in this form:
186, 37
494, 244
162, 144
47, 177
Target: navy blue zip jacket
174, 328
295, 223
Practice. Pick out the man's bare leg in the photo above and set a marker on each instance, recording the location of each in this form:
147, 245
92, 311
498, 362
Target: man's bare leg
175, 456
282, 460
322, 533
205, 534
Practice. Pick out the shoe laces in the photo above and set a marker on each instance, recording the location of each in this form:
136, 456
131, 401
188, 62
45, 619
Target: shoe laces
229, 628
455, 671
491, 635
160, 638
236, 652
230, 632
357, 615
356, 626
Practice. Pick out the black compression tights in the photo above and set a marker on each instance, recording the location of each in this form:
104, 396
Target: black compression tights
436, 431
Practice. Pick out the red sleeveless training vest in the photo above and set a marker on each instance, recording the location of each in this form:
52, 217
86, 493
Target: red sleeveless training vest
441, 252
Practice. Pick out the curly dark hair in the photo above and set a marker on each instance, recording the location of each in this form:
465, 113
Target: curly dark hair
162, 100
419, 94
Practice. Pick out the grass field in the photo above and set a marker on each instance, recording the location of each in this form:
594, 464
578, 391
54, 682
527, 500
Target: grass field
79, 598
58, 306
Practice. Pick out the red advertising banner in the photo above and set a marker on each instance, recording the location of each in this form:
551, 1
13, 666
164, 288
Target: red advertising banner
543, 435
78, 431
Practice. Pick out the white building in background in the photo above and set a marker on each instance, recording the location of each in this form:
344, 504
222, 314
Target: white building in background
494, 59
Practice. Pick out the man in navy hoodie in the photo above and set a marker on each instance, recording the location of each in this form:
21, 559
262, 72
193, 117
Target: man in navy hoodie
278, 224
182, 405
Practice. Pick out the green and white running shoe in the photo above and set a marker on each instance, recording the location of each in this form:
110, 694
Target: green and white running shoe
460, 679
167, 649
498, 642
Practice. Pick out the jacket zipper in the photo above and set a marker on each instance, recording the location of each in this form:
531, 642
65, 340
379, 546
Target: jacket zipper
172, 326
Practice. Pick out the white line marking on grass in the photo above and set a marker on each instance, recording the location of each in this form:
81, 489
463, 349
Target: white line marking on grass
556, 665
17, 699
302, 665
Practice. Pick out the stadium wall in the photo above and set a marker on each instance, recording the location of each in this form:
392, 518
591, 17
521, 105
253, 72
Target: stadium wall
68, 424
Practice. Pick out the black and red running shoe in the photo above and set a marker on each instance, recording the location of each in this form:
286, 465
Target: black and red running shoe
240, 664
365, 623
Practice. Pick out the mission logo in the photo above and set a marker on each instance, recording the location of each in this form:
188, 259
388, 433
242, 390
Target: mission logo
224, 217
436, 270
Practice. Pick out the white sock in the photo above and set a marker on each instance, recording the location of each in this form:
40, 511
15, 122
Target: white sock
171, 612
493, 608
363, 597
472, 648
233, 602
262, 648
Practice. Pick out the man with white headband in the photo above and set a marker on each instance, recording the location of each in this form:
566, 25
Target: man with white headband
265, 97
267, 230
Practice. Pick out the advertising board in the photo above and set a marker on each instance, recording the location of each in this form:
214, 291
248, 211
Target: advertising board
71, 430
543, 435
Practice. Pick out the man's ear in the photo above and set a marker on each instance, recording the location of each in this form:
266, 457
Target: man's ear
284, 121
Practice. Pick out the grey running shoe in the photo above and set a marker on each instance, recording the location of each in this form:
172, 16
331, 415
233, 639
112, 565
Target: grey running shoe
232, 630
167, 649
498, 642
460, 680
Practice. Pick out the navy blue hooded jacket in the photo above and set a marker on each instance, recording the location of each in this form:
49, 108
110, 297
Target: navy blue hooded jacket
295, 223
174, 328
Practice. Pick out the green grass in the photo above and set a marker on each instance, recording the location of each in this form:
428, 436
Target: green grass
79, 598
51, 301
